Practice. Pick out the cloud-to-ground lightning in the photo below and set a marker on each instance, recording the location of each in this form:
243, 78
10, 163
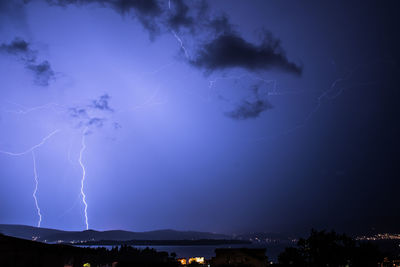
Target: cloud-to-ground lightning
83, 147
32, 151
36, 188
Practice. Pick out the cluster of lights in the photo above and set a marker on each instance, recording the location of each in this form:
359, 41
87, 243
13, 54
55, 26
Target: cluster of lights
199, 260
385, 236
270, 240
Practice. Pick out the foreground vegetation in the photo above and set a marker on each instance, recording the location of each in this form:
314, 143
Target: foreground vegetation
323, 248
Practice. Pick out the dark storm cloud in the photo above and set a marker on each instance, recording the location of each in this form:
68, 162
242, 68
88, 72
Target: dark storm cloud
180, 16
43, 72
102, 103
226, 48
144, 7
230, 50
95, 114
76, 112
249, 109
98, 122
12, 11
219, 45
21, 49
253, 106
17, 47
220, 25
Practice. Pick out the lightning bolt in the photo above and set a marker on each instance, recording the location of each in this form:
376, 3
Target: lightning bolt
32, 151
181, 44
25, 110
149, 101
36, 188
330, 93
44, 140
178, 38
83, 176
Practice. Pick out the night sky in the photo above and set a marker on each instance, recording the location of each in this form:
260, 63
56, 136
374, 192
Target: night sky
224, 116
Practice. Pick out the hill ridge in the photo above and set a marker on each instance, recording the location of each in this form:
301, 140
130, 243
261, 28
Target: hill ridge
56, 235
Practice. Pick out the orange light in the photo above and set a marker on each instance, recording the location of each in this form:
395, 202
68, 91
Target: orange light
199, 260
182, 261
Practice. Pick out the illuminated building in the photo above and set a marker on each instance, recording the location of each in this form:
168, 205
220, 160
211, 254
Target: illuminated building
199, 260
389, 263
182, 261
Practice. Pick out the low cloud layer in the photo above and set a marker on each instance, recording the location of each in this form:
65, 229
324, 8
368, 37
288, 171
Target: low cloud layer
21, 49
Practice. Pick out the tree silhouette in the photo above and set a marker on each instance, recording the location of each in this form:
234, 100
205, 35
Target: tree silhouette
323, 248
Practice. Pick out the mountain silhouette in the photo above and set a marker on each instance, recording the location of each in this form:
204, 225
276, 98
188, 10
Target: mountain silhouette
55, 235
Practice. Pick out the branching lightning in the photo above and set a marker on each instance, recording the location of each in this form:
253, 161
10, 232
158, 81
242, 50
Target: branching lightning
332, 92
336, 88
83, 176
25, 110
149, 101
32, 148
32, 151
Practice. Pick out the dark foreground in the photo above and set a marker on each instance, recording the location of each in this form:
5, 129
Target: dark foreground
20, 253
319, 249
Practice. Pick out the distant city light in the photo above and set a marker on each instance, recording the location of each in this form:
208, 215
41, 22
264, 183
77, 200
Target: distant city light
384, 236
